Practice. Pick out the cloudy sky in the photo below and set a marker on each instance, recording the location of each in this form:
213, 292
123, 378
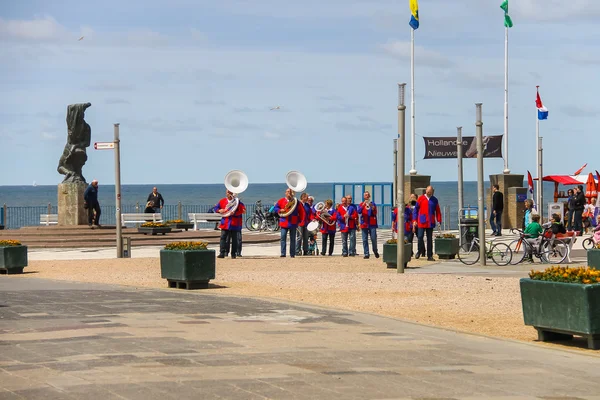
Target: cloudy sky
192, 82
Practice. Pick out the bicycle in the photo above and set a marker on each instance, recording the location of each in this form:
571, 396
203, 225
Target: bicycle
500, 253
589, 243
548, 249
262, 220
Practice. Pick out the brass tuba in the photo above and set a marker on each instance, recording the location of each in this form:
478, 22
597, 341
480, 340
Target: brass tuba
236, 182
323, 214
297, 182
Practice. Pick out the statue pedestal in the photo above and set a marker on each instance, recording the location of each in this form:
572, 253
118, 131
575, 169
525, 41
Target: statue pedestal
511, 185
415, 184
70, 204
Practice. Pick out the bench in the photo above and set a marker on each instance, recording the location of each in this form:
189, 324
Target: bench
140, 218
569, 238
196, 218
48, 219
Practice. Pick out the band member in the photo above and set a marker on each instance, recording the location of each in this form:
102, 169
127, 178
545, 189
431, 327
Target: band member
368, 224
425, 214
302, 236
230, 226
353, 225
343, 218
290, 222
408, 225
328, 217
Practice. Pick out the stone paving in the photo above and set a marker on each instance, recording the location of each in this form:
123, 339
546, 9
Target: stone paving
61, 340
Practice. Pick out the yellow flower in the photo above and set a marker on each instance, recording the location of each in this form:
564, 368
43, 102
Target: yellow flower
186, 246
9, 243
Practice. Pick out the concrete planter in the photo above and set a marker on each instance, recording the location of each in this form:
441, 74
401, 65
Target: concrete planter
560, 310
390, 254
13, 259
182, 225
154, 230
188, 269
446, 248
593, 258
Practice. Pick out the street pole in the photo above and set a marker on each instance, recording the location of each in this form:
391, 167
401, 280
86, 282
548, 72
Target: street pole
459, 153
480, 193
413, 168
538, 159
400, 178
395, 183
118, 192
506, 169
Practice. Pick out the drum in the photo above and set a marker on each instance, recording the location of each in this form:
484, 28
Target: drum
312, 226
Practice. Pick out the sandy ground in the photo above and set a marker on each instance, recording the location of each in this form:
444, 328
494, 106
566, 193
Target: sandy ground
476, 304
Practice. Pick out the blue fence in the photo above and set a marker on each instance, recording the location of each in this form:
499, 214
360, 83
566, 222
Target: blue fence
381, 195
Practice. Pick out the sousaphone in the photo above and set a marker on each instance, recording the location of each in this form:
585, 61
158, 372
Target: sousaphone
297, 182
236, 182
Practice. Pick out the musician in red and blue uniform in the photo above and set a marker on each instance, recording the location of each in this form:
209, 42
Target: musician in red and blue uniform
353, 225
368, 224
328, 227
290, 222
302, 237
408, 225
344, 215
230, 226
425, 215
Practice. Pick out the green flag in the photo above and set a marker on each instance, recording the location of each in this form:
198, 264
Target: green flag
507, 21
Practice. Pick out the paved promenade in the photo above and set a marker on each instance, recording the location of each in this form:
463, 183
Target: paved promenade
79, 341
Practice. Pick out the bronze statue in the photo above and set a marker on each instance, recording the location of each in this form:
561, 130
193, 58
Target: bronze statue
78, 138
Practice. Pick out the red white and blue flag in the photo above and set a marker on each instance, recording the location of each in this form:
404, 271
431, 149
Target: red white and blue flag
542, 111
530, 182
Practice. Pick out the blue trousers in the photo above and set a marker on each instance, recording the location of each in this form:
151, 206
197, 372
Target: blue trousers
365, 239
284, 233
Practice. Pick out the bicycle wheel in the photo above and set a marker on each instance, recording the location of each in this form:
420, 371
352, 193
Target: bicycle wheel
469, 253
272, 224
518, 249
588, 243
554, 251
253, 223
501, 254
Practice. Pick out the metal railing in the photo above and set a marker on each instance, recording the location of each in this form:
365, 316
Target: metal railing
15, 217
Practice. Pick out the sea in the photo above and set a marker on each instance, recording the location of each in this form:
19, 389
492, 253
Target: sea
30, 201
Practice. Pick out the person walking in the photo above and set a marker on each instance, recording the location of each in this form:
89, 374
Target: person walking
425, 215
90, 198
497, 209
157, 200
578, 206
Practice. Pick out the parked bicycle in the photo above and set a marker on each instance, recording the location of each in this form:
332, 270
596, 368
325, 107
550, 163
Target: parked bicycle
547, 248
499, 252
262, 220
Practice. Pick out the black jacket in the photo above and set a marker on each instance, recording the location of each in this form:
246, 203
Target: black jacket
579, 202
91, 195
498, 201
157, 200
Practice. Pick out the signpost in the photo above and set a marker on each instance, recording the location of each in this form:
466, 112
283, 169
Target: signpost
116, 147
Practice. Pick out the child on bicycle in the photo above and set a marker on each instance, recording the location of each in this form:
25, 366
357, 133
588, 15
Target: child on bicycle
532, 233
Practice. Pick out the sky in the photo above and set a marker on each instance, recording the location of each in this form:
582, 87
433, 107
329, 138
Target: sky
192, 82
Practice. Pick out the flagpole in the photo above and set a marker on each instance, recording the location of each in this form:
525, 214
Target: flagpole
506, 170
538, 161
413, 169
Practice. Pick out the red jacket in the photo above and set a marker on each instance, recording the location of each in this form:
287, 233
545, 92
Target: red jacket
235, 221
325, 227
292, 220
368, 217
427, 212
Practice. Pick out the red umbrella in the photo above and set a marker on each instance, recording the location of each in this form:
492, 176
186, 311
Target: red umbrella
591, 189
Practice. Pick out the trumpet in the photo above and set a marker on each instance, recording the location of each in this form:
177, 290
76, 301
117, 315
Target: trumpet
368, 204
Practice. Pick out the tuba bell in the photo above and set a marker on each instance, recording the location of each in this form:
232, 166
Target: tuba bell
236, 182
296, 182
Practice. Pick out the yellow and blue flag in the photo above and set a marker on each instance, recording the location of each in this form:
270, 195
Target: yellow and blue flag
414, 10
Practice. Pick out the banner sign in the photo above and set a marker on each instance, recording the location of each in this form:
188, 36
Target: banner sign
445, 147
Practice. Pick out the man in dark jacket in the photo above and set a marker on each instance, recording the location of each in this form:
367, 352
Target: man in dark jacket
157, 200
497, 209
90, 197
578, 206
